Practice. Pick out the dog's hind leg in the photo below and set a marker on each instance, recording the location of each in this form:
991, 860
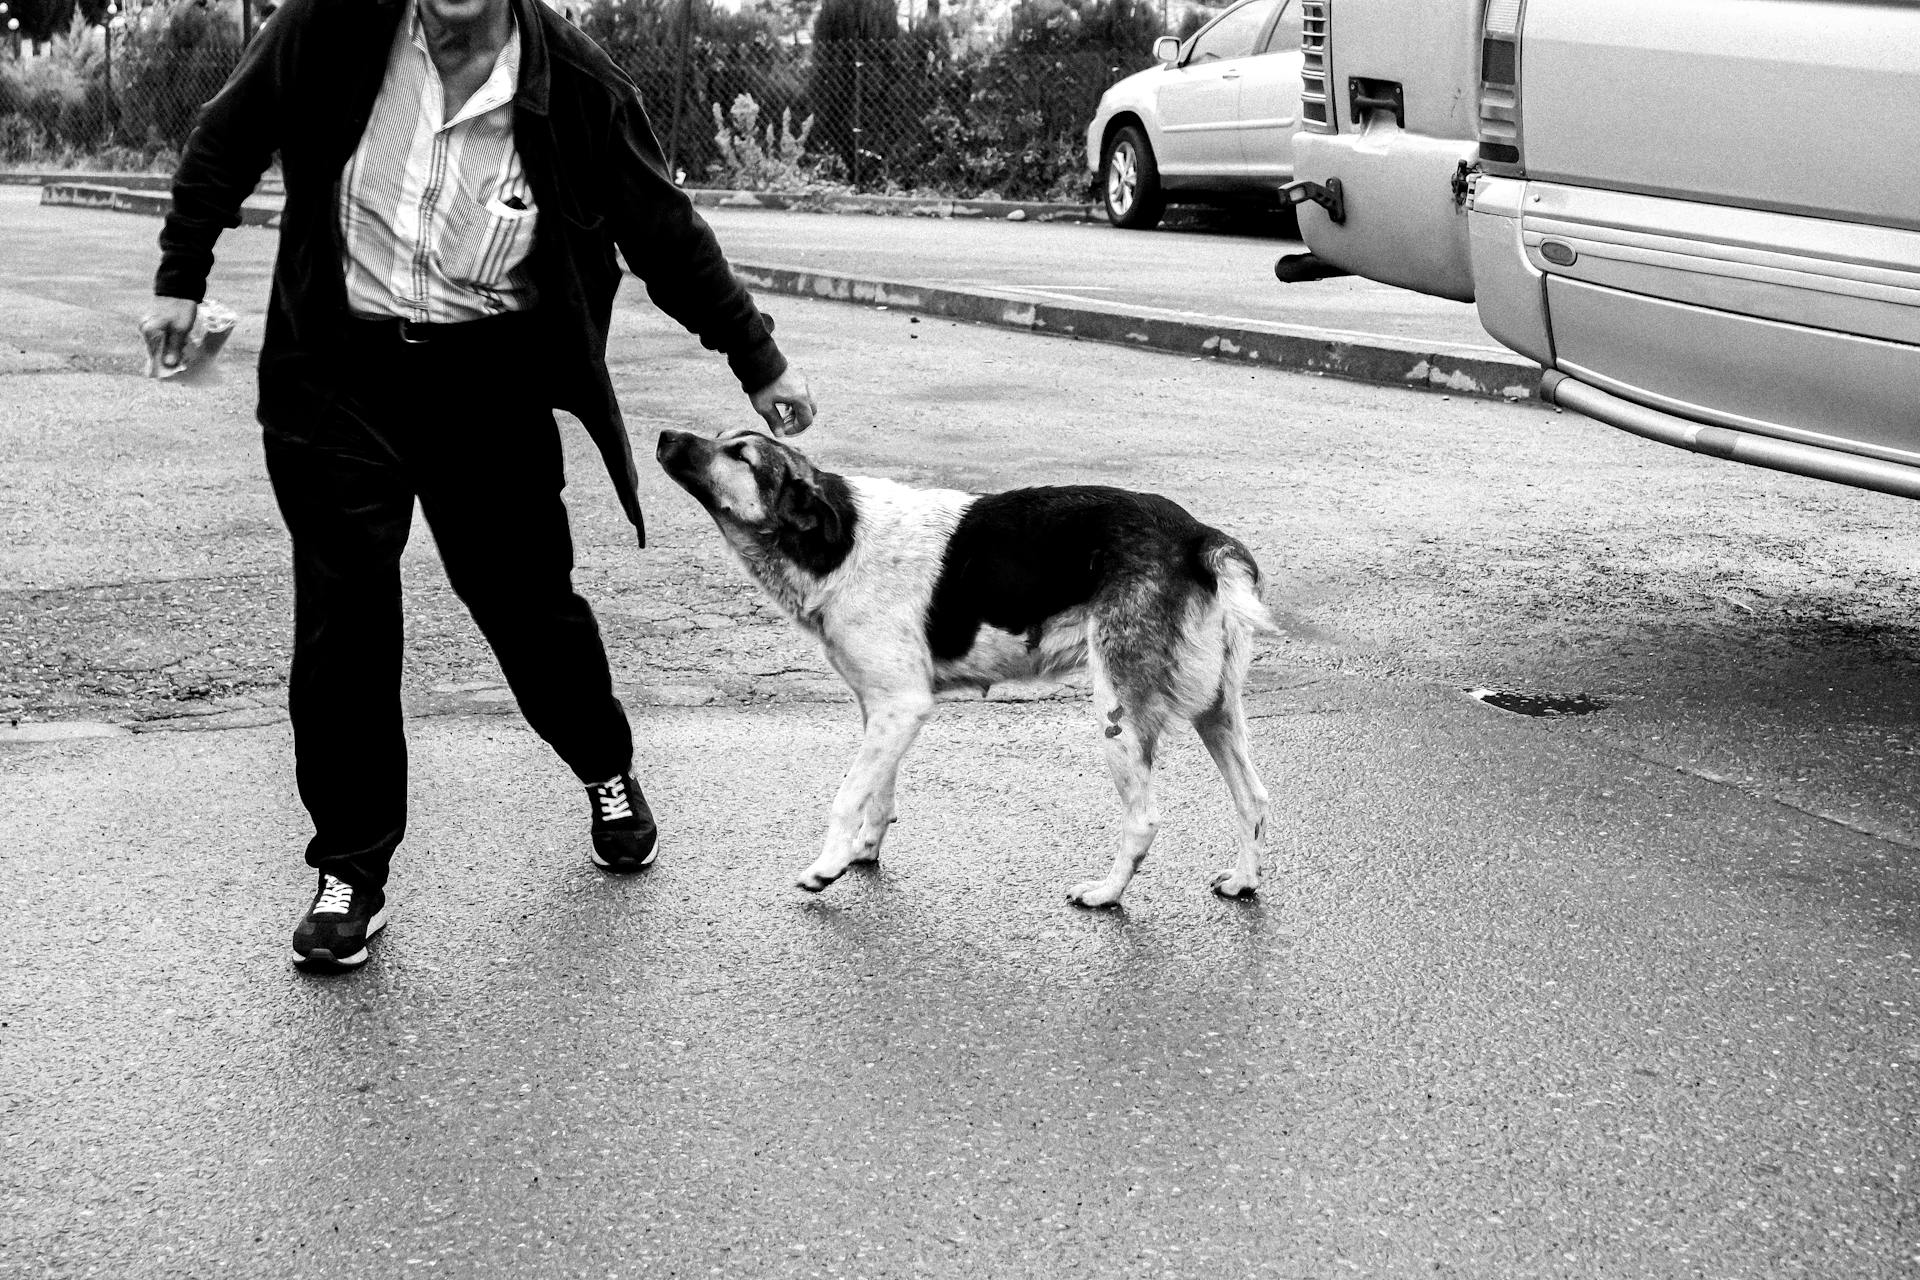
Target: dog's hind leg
1131, 719
1223, 727
864, 806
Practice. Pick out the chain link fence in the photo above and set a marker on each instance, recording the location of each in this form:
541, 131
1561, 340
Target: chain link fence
910, 114
121, 95
943, 107
905, 115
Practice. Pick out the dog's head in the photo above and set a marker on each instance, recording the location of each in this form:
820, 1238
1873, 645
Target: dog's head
762, 490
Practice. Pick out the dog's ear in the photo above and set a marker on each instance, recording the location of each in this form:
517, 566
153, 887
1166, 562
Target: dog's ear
827, 514
799, 505
797, 494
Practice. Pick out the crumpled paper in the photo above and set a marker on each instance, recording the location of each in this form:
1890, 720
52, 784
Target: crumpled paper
212, 326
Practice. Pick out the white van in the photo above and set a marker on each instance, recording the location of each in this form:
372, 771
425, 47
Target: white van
1702, 217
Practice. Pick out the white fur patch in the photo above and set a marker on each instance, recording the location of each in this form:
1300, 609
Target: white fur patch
872, 610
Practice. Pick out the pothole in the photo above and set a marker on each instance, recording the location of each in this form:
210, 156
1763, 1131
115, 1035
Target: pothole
1522, 702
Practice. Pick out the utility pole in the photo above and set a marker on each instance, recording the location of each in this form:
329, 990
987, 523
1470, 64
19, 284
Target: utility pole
680, 88
113, 105
858, 140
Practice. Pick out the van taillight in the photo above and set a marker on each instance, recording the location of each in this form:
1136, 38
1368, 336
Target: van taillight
1500, 88
1316, 105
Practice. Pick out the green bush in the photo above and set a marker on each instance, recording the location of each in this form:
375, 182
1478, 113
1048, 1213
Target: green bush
1007, 118
756, 158
683, 68
124, 108
1036, 91
60, 100
167, 62
23, 142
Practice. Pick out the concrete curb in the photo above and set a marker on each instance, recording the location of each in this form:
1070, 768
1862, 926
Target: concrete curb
1456, 371
148, 193
705, 197
89, 195
1377, 359
123, 181
897, 206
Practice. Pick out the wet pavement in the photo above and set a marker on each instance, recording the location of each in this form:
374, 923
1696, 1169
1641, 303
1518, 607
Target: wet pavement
1574, 1023
1626, 993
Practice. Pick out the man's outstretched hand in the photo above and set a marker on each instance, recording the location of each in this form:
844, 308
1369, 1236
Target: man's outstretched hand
165, 327
785, 403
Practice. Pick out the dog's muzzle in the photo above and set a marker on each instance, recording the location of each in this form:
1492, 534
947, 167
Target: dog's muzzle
681, 453
673, 444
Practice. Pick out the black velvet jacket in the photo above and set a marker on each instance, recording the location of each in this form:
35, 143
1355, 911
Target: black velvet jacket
306, 89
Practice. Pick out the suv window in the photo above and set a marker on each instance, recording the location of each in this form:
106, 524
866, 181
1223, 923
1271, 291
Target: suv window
1286, 32
1233, 35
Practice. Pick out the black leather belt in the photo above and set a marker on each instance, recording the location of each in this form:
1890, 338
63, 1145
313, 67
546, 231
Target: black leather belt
416, 333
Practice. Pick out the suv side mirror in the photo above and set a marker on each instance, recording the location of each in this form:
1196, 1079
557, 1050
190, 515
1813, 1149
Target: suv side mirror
1166, 49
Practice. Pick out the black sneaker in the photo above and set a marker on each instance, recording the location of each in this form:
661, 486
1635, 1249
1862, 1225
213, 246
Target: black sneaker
334, 932
623, 830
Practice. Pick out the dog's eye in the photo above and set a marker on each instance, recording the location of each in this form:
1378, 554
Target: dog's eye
738, 450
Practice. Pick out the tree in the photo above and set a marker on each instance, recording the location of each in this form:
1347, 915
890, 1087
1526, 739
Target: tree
687, 57
653, 41
168, 60
847, 34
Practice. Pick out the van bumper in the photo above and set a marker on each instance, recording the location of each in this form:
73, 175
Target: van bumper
1724, 442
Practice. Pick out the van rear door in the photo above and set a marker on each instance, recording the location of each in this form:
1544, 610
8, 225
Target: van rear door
1388, 111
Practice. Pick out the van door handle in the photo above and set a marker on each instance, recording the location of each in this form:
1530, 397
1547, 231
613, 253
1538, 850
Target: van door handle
1376, 95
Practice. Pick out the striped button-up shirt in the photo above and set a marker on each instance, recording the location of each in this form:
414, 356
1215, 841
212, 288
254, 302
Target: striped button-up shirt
436, 215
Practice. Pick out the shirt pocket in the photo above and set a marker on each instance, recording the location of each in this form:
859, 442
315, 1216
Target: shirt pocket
495, 238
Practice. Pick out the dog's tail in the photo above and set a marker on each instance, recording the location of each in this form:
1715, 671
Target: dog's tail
1223, 564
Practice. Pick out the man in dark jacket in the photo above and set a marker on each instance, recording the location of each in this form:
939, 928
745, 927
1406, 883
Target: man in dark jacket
459, 174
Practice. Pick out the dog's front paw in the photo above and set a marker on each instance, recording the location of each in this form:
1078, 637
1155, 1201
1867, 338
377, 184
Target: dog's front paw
1228, 884
814, 881
1094, 893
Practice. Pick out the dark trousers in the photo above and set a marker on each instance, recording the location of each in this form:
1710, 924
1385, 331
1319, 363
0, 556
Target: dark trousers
351, 442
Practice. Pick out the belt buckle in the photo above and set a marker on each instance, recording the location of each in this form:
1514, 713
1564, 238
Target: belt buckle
407, 333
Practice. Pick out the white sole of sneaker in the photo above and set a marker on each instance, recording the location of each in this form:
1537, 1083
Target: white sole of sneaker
598, 861
321, 958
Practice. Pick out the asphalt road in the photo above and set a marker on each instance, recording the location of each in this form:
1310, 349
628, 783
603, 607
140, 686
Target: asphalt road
1628, 994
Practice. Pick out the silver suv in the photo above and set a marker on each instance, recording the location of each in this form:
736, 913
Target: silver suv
1214, 121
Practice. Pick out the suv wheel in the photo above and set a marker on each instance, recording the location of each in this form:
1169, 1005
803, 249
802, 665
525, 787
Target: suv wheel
1130, 182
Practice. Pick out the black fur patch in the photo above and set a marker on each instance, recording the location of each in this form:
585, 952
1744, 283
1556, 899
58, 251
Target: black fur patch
1020, 557
814, 521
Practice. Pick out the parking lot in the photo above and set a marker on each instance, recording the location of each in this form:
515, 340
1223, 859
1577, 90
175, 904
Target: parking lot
1619, 994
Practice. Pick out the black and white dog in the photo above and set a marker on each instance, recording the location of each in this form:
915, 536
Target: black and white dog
918, 591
